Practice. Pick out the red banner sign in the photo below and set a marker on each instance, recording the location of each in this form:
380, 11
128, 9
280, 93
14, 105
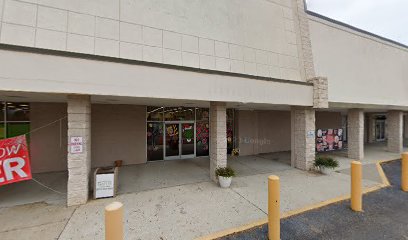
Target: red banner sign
14, 160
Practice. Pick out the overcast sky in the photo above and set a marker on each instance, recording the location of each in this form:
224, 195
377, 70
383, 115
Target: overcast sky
387, 18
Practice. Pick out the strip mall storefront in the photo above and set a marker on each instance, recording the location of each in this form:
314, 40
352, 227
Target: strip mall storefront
181, 132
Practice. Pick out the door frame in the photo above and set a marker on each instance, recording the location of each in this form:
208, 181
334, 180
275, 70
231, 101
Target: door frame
382, 123
180, 156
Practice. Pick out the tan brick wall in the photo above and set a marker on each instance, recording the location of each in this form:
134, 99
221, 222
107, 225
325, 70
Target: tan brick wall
303, 38
395, 131
79, 164
356, 134
320, 92
218, 137
303, 138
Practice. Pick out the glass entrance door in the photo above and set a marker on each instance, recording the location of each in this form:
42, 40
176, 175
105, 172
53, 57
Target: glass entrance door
172, 142
380, 130
179, 140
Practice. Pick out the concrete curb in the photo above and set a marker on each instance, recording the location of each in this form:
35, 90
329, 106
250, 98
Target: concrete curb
385, 183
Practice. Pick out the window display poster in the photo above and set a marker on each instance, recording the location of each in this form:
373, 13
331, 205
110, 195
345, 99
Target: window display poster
329, 139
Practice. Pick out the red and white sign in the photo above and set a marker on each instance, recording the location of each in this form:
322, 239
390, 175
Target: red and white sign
76, 145
14, 160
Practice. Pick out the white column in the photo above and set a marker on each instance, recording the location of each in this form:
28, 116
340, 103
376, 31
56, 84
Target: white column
79, 164
303, 137
395, 131
218, 137
355, 134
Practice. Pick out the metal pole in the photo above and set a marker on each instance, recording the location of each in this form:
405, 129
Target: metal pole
404, 172
356, 185
114, 221
273, 208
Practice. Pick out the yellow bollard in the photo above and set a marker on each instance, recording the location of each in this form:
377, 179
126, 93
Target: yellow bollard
404, 172
273, 208
356, 191
114, 221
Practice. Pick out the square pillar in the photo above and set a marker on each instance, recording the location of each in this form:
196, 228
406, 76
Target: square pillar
371, 128
355, 134
303, 142
395, 131
79, 162
218, 137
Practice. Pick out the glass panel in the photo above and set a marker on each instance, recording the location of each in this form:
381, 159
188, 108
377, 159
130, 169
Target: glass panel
2, 136
230, 114
154, 114
172, 140
18, 112
2, 111
187, 138
202, 138
178, 113
17, 129
202, 114
154, 141
230, 136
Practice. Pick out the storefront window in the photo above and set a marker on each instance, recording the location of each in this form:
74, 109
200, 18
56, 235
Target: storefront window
155, 113
172, 132
154, 141
2, 131
202, 138
179, 114
2, 109
17, 129
203, 114
230, 130
14, 119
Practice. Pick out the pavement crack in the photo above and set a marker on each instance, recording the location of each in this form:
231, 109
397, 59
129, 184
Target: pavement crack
248, 201
72, 214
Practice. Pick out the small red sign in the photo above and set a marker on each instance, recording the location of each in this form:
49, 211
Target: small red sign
14, 160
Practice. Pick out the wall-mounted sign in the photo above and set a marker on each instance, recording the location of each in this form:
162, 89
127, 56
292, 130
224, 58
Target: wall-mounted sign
329, 139
14, 160
76, 145
310, 134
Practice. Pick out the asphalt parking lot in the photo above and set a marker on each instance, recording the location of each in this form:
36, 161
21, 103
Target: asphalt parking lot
384, 216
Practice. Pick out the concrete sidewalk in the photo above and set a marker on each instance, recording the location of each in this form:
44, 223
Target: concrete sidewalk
178, 212
384, 217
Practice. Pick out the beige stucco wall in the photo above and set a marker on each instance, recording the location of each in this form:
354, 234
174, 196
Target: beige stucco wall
326, 120
361, 69
32, 72
269, 131
118, 132
263, 131
48, 144
253, 37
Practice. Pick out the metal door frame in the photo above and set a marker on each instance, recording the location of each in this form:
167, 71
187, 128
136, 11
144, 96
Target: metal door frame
180, 156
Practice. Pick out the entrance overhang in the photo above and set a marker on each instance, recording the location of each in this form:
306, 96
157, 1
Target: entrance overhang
33, 71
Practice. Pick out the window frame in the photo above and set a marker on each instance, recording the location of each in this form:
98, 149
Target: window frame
5, 121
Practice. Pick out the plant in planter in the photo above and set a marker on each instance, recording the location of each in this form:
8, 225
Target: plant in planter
325, 164
225, 175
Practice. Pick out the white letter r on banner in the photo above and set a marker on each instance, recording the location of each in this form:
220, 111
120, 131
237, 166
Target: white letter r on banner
8, 170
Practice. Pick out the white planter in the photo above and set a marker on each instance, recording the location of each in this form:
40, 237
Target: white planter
326, 171
225, 182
